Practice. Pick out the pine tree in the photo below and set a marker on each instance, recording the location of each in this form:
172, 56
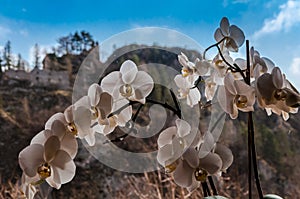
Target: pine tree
87, 39
64, 44
36, 56
20, 63
7, 55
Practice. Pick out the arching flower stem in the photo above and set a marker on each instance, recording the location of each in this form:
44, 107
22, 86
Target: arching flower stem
211, 46
234, 68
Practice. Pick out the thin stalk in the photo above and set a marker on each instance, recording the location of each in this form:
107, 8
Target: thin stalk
247, 80
211, 46
212, 185
251, 140
254, 158
205, 189
249, 161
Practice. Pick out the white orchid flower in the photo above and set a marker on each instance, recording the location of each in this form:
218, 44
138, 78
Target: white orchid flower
128, 83
79, 118
220, 65
276, 94
187, 90
107, 123
47, 162
236, 95
191, 70
58, 126
233, 36
172, 142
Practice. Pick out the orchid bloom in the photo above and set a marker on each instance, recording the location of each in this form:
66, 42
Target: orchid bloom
193, 168
128, 83
236, 95
233, 36
172, 142
258, 65
187, 90
107, 123
191, 70
58, 126
47, 162
276, 94
79, 119
220, 64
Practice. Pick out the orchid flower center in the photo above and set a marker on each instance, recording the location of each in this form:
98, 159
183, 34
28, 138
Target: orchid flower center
44, 171
126, 90
219, 64
95, 113
72, 128
200, 174
241, 101
280, 94
186, 71
171, 167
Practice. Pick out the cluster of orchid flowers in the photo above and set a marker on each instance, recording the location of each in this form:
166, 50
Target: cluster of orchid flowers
49, 157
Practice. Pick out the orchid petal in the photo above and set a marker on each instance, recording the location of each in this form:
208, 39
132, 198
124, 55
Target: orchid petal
225, 154
30, 158
129, 71
183, 128
94, 94
183, 174
277, 78
56, 116
166, 136
63, 168
191, 157
212, 163
193, 97
112, 83
51, 146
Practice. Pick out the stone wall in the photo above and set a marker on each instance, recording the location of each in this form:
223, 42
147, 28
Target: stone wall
39, 77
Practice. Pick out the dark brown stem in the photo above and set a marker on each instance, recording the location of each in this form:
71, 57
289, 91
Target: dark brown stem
247, 80
251, 141
212, 185
254, 158
205, 189
211, 46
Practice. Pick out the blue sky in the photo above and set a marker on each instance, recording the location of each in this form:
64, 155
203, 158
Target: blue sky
272, 26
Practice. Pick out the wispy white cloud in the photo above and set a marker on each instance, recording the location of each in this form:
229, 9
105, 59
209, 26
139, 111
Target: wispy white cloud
226, 2
294, 72
288, 17
295, 66
240, 1
4, 32
23, 33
